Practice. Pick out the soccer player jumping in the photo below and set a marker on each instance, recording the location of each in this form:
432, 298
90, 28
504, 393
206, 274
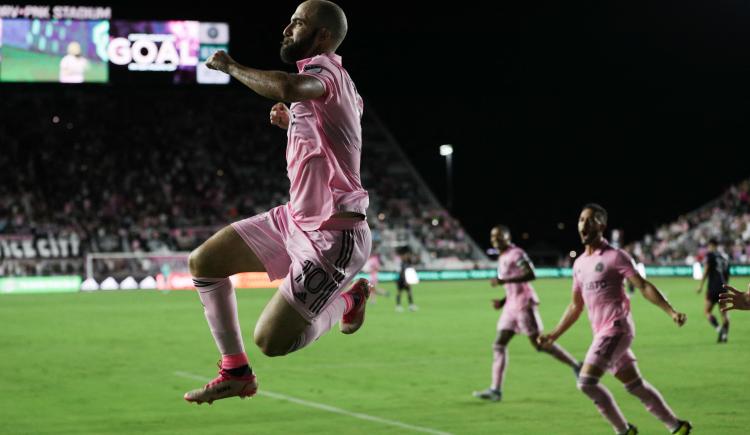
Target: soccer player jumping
598, 276
319, 240
520, 313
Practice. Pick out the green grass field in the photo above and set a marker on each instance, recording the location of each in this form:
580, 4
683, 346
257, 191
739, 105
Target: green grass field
119, 362
28, 66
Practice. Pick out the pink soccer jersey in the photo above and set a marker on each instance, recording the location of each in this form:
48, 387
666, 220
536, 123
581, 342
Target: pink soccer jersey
373, 265
599, 277
510, 265
324, 147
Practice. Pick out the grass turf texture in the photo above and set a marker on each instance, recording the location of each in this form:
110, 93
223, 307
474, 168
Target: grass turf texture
28, 66
105, 363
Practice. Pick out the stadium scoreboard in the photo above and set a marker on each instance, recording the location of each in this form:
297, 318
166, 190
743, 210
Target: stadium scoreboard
81, 44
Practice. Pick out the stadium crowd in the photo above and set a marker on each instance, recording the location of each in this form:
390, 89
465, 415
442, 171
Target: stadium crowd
684, 241
145, 170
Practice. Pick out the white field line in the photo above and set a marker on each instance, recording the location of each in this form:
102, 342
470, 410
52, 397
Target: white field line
327, 408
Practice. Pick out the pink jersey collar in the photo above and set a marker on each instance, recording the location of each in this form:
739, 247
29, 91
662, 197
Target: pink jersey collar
604, 246
510, 247
333, 56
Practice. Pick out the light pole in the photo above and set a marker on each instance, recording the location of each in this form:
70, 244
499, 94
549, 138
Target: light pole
447, 152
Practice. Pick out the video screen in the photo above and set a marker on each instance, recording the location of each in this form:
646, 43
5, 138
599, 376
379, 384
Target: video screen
119, 51
168, 49
64, 51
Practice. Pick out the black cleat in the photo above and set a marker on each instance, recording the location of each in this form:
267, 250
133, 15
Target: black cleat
684, 428
489, 395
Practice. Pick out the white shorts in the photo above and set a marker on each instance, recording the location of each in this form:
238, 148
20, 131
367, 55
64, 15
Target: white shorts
316, 265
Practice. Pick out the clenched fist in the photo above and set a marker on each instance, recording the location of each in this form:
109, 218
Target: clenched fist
219, 61
280, 115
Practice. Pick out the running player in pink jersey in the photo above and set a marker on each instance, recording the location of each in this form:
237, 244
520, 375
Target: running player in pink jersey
598, 276
520, 313
373, 266
319, 240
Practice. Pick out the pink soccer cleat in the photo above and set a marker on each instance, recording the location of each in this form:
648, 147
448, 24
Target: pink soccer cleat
353, 320
225, 385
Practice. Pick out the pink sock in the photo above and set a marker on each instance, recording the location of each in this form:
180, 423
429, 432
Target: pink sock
499, 364
653, 401
233, 361
323, 323
220, 308
604, 402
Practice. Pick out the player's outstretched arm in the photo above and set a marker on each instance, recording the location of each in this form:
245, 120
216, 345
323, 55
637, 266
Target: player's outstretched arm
275, 85
570, 316
734, 299
653, 295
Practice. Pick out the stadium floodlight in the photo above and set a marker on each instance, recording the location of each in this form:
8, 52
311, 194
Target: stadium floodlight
446, 151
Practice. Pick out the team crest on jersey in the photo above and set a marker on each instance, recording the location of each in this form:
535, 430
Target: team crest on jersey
599, 267
315, 69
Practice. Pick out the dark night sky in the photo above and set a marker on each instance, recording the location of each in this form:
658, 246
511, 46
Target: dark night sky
642, 108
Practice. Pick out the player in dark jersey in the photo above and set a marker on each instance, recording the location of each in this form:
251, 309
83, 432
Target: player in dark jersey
406, 257
716, 272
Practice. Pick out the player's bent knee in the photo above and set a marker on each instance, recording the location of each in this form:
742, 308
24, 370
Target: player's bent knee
270, 344
586, 383
270, 347
198, 263
272, 350
194, 261
201, 264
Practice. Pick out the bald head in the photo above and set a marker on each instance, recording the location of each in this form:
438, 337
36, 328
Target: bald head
317, 26
328, 15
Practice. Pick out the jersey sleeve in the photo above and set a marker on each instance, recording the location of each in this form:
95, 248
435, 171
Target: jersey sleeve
322, 69
522, 260
625, 264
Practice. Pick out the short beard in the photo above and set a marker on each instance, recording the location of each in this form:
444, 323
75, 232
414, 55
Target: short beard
295, 51
591, 239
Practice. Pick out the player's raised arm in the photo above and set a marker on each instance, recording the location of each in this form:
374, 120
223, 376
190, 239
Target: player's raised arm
657, 298
274, 85
570, 316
